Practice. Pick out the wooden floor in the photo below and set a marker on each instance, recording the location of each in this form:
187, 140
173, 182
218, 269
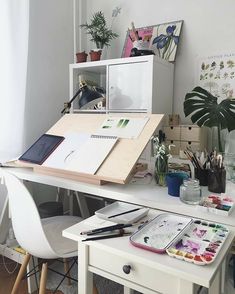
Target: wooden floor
7, 280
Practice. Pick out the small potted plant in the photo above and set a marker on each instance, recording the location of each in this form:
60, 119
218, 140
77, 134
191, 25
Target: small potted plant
99, 33
162, 154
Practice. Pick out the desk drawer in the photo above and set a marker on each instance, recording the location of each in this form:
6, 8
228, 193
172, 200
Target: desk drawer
140, 273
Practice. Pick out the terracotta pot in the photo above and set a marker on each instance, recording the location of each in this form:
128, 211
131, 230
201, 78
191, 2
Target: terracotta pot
95, 55
81, 56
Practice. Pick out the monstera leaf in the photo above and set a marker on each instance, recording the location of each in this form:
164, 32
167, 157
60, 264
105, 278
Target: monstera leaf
205, 111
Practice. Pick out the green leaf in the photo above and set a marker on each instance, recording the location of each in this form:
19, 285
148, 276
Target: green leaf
205, 111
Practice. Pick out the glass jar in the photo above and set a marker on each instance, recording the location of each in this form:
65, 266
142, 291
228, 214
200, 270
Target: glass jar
190, 191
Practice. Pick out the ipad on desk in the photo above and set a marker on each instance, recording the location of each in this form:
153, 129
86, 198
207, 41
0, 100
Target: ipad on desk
41, 149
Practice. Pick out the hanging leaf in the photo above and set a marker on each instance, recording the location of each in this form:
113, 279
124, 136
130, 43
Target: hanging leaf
205, 111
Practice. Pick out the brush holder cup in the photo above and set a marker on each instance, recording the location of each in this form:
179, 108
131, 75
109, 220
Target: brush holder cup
202, 176
216, 180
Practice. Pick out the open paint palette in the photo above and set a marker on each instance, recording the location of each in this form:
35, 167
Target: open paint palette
222, 205
181, 237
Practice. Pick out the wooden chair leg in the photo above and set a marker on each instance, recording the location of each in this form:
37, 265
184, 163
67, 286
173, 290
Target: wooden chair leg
21, 273
95, 291
66, 268
43, 279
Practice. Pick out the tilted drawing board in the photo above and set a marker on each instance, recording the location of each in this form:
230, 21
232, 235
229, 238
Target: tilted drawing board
118, 166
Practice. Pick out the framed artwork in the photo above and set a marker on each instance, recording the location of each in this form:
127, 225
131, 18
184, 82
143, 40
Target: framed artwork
163, 39
216, 74
144, 33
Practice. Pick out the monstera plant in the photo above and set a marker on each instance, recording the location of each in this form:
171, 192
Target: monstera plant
205, 111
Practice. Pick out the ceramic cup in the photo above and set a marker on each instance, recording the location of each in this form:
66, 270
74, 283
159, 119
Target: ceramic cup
174, 181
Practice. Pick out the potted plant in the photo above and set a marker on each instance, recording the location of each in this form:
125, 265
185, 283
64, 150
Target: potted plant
205, 111
99, 33
162, 154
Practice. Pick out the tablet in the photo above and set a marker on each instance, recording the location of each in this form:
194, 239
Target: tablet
41, 149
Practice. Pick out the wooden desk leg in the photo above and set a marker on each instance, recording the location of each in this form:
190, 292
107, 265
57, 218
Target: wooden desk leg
85, 278
215, 286
186, 287
128, 291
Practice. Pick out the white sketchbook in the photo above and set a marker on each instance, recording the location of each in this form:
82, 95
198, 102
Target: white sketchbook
82, 153
63, 154
91, 154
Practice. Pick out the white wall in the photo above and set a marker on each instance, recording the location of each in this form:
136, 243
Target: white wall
209, 27
50, 53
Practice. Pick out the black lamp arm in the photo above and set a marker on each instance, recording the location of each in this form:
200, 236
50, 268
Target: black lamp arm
68, 104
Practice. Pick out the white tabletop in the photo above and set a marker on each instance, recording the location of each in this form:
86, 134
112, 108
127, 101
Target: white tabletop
202, 275
150, 195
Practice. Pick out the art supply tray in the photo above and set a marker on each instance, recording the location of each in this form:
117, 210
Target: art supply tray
160, 233
190, 240
121, 207
222, 205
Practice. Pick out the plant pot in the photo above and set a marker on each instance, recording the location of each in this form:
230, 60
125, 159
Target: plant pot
95, 55
81, 56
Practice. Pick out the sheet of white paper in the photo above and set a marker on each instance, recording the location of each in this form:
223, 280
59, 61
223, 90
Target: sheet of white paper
91, 154
122, 127
63, 155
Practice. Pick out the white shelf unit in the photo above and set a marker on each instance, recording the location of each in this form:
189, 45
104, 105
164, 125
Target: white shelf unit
133, 84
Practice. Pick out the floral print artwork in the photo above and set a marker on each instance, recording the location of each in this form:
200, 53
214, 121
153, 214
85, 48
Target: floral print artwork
162, 39
165, 40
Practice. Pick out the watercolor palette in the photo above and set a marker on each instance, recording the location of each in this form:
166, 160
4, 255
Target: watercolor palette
222, 205
190, 240
200, 244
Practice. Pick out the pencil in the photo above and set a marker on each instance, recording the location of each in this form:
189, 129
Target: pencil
125, 212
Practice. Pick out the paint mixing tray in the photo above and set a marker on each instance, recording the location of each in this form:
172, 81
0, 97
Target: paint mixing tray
181, 237
161, 232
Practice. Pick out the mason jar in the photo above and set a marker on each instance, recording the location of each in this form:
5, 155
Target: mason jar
190, 191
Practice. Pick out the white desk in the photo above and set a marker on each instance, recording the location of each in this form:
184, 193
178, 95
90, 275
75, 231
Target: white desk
150, 272
146, 195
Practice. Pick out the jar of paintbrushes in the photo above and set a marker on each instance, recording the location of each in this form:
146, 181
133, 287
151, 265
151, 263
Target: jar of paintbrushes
199, 161
216, 174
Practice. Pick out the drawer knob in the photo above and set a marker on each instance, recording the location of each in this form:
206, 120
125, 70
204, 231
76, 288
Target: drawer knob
126, 268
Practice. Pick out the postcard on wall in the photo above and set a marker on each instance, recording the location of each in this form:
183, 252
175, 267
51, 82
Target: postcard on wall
122, 127
216, 74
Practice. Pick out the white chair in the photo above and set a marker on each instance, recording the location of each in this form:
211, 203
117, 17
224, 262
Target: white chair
41, 238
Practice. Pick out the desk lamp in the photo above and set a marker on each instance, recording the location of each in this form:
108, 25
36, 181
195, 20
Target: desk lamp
89, 98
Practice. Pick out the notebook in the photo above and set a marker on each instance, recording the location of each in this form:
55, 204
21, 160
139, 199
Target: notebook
41, 149
92, 153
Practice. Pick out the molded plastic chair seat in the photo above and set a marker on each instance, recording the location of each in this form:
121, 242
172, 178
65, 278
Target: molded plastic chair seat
62, 246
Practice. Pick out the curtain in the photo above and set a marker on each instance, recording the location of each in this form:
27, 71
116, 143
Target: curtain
14, 31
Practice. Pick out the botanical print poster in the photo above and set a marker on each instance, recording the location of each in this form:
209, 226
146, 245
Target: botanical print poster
216, 74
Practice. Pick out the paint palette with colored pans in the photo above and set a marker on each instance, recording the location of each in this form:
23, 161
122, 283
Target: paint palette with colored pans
222, 205
200, 243
161, 232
